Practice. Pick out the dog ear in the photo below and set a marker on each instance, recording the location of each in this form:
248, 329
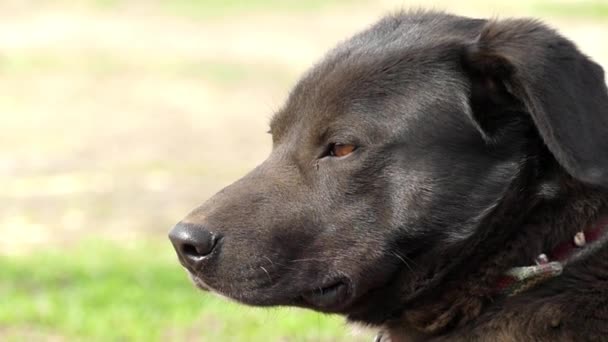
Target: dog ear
560, 88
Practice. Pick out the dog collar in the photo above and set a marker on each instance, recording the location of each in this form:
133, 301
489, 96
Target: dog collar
547, 266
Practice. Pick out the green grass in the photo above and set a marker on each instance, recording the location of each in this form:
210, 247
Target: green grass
224, 7
103, 292
205, 9
213, 8
588, 9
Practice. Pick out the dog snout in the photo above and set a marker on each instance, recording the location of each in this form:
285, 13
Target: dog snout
193, 242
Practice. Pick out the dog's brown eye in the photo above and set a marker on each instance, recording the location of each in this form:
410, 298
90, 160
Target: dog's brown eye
341, 150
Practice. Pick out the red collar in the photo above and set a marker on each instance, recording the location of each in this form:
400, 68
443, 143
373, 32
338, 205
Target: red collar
584, 243
582, 240
519, 279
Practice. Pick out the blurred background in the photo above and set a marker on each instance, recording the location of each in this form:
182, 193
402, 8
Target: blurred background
117, 117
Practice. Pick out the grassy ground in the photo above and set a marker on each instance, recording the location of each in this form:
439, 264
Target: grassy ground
103, 292
119, 116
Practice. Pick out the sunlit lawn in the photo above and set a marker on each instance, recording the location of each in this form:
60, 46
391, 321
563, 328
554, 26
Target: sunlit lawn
101, 291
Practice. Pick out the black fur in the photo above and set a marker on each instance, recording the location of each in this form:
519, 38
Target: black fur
480, 144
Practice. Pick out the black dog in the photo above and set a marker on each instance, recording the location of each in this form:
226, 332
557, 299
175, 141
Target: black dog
440, 177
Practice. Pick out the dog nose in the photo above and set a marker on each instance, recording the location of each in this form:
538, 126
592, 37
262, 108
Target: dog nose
192, 242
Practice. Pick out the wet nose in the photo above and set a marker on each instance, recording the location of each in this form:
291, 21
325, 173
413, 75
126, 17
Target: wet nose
192, 242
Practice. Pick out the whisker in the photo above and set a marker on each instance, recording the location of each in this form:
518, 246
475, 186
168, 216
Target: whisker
268, 274
273, 263
398, 256
270, 261
317, 259
410, 260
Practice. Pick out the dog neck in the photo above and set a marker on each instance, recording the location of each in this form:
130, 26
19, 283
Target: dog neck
560, 237
522, 278
550, 265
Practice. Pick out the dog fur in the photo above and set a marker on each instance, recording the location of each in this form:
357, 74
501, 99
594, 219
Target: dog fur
479, 145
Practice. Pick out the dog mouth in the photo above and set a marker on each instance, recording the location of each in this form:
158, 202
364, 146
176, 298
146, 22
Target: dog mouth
331, 297
198, 282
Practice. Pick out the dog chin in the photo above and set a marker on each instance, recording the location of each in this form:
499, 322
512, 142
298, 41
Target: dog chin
198, 282
331, 297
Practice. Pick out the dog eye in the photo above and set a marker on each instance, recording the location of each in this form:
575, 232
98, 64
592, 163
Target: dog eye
341, 150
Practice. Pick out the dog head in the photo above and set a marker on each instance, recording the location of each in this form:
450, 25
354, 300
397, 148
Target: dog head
392, 150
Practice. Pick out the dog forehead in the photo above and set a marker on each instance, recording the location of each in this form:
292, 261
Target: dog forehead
406, 56
369, 87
